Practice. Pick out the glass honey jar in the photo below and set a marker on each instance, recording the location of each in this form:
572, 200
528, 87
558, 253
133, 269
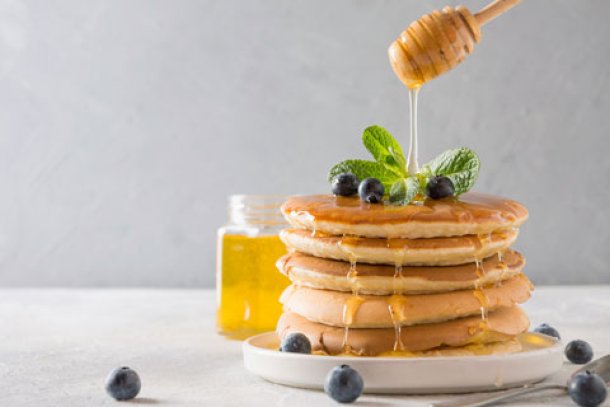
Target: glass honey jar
248, 285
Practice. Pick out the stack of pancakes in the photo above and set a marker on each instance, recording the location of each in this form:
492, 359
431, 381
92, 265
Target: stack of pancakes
379, 279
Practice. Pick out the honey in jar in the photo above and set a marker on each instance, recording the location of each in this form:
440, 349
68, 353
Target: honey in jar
248, 285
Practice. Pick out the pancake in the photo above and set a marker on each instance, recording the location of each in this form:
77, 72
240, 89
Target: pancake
470, 214
493, 348
376, 311
481, 349
439, 251
315, 272
502, 325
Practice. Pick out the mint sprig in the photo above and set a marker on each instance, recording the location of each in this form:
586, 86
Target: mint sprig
460, 165
365, 169
404, 190
385, 149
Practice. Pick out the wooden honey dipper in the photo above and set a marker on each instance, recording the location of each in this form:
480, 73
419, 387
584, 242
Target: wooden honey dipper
439, 41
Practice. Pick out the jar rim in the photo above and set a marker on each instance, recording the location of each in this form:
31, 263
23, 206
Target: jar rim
256, 209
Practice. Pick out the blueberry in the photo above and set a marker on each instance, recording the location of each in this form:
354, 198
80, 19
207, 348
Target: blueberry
587, 389
345, 184
371, 190
343, 384
295, 343
123, 383
439, 187
579, 352
547, 330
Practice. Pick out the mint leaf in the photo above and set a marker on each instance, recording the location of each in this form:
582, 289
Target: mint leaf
385, 149
365, 169
403, 191
460, 165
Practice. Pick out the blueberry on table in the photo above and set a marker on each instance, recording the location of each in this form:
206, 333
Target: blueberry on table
439, 187
123, 383
546, 329
345, 184
587, 389
343, 384
295, 343
371, 190
579, 352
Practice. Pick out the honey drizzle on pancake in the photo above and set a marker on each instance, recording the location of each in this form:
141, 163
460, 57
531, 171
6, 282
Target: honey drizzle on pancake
352, 275
399, 256
318, 234
350, 308
397, 302
344, 244
471, 207
504, 269
397, 279
396, 305
479, 294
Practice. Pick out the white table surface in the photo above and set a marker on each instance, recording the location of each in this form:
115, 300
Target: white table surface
56, 347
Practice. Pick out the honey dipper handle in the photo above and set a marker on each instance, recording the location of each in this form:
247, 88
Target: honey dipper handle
494, 9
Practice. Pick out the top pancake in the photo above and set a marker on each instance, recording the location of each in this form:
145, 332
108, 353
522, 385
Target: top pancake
471, 213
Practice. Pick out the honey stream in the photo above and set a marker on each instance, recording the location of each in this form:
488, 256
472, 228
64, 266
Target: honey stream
412, 165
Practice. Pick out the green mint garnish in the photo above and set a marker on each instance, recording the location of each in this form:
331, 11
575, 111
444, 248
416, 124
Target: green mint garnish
385, 149
460, 165
404, 190
365, 169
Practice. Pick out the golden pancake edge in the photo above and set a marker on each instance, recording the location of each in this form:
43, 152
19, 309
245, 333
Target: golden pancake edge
501, 325
438, 251
373, 311
327, 274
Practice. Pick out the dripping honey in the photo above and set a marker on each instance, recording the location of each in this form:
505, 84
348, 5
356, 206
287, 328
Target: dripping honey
350, 309
478, 292
396, 305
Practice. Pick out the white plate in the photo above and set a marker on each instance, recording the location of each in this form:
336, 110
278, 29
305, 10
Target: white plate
540, 357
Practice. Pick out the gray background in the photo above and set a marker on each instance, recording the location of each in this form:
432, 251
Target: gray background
124, 125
